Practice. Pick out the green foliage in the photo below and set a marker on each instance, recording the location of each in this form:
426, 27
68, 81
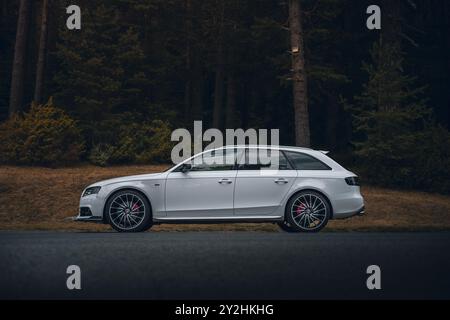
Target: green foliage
432, 160
154, 142
43, 136
394, 138
110, 75
101, 154
102, 68
418, 161
135, 142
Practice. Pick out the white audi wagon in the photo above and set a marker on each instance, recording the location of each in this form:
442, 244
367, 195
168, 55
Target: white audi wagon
300, 189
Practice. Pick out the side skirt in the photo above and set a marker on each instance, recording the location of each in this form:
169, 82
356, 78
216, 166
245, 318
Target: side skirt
206, 220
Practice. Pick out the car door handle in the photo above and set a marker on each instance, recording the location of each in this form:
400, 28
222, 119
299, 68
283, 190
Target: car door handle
281, 181
225, 181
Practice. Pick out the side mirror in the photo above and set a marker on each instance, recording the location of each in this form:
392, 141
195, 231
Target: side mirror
185, 167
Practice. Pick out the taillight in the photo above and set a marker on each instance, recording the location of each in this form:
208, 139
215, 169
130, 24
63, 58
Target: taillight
352, 181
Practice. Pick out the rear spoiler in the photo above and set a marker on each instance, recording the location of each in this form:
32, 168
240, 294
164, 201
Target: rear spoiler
324, 152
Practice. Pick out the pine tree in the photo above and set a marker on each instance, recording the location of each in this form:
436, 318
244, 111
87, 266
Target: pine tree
18, 71
101, 68
388, 116
42, 54
300, 96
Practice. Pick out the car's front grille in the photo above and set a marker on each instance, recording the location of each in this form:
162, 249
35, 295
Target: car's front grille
85, 212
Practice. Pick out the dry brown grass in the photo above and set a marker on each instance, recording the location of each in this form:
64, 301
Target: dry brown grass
43, 199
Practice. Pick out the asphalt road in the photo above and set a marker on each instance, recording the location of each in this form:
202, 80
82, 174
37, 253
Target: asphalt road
224, 265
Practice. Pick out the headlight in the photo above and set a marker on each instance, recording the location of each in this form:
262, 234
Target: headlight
352, 181
91, 190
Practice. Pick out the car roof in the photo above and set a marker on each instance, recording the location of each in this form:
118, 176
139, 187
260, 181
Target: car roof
319, 154
259, 146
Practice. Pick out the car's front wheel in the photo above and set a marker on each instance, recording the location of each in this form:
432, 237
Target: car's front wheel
307, 211
128, 211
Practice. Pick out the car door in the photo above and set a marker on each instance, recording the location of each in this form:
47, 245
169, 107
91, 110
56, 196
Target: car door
206, 190
261, 187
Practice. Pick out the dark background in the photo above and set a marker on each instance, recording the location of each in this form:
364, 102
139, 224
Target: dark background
379, 100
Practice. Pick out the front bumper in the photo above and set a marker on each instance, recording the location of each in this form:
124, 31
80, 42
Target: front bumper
90, 209
88, 219
85, 214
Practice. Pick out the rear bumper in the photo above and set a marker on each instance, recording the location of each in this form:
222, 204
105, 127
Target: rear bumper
362, 211
343, 215
348, 203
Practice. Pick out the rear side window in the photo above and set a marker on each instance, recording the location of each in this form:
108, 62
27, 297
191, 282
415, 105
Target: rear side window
302, 161
257, 159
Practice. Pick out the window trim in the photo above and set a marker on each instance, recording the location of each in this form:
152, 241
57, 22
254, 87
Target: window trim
234, 168
328, 168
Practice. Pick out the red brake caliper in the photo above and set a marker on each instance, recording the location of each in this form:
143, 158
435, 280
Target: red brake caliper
300, 208
135, 207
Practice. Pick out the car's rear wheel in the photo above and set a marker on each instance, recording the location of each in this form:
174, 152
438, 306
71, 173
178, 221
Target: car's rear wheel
307, 211
128, 211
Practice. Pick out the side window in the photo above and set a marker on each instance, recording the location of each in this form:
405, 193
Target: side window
256, 159
215, 160
303, 161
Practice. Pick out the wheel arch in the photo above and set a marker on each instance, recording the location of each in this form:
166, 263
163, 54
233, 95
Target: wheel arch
124, 188
296, 192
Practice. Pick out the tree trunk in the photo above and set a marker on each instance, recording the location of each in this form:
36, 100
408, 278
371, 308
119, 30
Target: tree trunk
391, 26
4, 10
40, 70
188, 85
197, 88
18, 71
231, 103
332, 112
299, 81
390, 49
218, 93
219, 81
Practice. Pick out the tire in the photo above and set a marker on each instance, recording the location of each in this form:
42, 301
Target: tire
287, 227
307, 211
128, 211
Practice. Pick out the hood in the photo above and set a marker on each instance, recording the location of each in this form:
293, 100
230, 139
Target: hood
128, 178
